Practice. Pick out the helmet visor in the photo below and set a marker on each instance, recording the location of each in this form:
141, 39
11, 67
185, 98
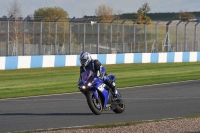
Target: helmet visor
83, 61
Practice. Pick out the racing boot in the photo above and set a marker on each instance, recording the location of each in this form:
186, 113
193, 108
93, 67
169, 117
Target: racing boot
116, 95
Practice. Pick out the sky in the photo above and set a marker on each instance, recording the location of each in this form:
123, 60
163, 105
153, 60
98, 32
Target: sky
79, 8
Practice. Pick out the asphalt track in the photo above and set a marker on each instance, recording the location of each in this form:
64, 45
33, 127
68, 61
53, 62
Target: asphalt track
68, 110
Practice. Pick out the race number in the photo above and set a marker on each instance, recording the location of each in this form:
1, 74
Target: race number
101, 87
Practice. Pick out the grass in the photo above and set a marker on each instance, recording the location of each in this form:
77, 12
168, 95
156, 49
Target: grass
112, 125
43, 81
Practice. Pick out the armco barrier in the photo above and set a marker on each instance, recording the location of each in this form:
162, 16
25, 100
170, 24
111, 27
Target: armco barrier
18, 62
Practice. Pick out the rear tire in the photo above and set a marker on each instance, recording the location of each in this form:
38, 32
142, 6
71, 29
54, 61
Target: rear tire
95, 105
120, 107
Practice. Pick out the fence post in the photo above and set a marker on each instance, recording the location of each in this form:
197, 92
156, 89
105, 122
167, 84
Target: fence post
157, 36
97, 50
70, 40
134, 35
8, 36
55, 35
111, 33
123, 36
83, 50
23, 47
185, 32
41, 36
64, 34
167, 36
0, 38
7, 41
145, 38
195, 33
110, 36
177, 35
33, 33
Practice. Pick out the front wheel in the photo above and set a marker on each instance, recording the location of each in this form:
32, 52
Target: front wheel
94, 104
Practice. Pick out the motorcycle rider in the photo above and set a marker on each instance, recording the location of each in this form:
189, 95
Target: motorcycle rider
87, 63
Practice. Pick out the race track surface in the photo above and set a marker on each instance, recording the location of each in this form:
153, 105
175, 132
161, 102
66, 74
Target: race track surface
68, 110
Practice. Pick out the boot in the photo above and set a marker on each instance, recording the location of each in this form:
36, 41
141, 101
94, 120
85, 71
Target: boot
112, 86
116, 97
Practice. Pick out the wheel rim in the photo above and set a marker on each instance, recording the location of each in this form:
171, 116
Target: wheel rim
121, 105
97, 103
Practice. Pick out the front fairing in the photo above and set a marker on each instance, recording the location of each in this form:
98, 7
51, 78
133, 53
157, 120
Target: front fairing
89, 82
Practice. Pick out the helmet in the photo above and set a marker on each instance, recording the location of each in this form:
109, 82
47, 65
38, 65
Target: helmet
85, 58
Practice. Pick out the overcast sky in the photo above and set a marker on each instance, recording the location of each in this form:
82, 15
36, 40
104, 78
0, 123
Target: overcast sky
79, 8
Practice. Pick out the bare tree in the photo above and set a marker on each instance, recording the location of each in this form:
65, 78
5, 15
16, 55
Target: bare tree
15, 25
14, 9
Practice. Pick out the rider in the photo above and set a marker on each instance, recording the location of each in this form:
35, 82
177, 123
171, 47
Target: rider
87, 63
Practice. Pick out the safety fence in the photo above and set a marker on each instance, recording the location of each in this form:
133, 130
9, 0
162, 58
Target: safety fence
41, 61
22, 38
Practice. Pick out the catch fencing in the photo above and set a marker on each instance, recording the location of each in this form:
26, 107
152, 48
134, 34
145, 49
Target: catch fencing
71, 38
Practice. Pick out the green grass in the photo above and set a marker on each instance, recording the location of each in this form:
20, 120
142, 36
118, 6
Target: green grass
33, 82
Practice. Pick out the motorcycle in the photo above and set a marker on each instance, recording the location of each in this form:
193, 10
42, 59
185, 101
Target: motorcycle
99, 96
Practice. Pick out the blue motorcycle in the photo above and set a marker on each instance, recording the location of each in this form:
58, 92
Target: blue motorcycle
99, 96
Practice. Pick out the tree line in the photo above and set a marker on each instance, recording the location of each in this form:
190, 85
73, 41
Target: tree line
106, 13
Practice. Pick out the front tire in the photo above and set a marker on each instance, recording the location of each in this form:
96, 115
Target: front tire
95, 105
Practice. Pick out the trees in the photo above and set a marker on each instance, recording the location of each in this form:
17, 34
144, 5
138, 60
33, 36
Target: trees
105, 12
14, 9
185, 16
51, 13
55, 27
16, 25
141, 14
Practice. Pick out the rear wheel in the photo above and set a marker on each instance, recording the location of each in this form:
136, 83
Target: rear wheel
94, 104
121, 106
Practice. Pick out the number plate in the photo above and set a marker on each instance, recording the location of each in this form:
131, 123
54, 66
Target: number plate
101, 87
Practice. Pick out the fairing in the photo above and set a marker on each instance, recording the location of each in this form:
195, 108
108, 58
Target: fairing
97, 85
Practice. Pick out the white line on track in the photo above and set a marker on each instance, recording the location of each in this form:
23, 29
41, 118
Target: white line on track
80, 92
169, 98
23, 100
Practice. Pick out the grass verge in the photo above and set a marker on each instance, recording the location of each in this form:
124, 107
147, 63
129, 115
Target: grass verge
109, 125
44, 81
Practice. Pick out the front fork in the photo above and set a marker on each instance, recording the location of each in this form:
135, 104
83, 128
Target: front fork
96, 95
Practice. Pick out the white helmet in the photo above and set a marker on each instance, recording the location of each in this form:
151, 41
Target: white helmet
85, 58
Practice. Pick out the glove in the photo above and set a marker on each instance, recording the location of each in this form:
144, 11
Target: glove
101, 76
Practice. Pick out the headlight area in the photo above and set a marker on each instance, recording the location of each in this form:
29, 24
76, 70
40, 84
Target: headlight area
83, 87
89, 84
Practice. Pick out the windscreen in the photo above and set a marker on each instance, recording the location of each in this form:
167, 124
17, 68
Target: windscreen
86, 75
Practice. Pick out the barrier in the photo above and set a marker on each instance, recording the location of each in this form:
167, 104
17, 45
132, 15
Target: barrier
41, 61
